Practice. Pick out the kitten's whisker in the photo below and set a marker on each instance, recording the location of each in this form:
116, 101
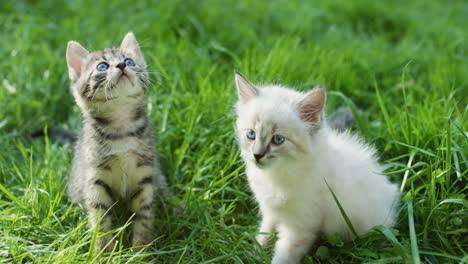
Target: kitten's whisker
99, 87
148, 79
94, 94
106, 88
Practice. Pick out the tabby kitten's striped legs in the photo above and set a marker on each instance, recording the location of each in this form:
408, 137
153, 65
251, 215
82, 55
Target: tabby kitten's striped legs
99, 211
142, 206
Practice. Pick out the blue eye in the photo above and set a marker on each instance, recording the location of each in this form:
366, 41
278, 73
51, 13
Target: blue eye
102, 66
129, 62
251, 134
278, 140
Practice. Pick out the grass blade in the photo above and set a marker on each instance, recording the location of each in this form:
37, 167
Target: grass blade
413, 238
342, 211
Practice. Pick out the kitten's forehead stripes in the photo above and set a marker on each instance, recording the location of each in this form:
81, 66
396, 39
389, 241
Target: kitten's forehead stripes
96, 80
106, 55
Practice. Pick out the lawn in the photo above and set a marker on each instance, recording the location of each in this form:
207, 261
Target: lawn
402, 66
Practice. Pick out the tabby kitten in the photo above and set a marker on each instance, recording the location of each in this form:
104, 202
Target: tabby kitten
114, 157
291, 154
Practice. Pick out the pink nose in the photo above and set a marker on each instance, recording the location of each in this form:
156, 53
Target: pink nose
121, 66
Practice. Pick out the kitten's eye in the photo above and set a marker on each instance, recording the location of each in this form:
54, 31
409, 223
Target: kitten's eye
102, 66
278, 140
129, 62
251, 134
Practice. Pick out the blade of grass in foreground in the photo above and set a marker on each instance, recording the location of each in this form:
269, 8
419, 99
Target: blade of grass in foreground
384, 110
391, 237
342, 211
414, 243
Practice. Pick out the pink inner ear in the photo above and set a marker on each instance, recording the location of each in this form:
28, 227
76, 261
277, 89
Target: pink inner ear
310, 108
245, 89
310, 114
76, 54
130, 43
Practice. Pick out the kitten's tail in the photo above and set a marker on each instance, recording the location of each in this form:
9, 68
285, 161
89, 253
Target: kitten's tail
59, 134
342, 119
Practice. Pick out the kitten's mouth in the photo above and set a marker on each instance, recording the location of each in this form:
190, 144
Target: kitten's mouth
260, 164
263, 163
123, 77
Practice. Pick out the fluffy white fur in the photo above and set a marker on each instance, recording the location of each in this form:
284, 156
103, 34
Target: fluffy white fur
289, 181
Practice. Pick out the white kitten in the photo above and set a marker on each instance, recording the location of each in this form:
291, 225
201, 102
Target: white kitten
290, 154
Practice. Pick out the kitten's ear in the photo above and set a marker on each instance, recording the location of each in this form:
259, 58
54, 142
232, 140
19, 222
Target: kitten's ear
76, 55
312, 104
245, 89
130, 44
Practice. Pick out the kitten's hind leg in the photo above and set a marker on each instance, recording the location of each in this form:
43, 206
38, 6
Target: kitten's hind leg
143, 207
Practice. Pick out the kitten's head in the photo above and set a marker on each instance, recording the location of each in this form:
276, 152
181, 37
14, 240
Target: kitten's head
108, 74
275, 124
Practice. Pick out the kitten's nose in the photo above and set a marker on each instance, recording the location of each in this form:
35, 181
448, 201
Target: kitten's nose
121, 66
258, 156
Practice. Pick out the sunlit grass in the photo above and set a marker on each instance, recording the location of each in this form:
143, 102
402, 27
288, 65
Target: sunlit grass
399, 65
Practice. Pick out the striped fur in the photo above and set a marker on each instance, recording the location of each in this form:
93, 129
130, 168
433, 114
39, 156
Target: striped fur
114, 157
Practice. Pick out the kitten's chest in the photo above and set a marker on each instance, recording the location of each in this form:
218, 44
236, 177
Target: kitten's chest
122, 166
124, 146
270, 195
289, 196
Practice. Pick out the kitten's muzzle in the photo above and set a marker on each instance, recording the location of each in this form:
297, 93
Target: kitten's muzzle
121, 66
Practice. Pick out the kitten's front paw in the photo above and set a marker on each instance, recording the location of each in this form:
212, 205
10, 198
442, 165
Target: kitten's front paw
142, 239
106, 244
263, 239
278, 259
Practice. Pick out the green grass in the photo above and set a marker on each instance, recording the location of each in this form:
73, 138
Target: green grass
401, 65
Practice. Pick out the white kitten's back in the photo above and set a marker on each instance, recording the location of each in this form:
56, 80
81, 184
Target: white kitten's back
367, 196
